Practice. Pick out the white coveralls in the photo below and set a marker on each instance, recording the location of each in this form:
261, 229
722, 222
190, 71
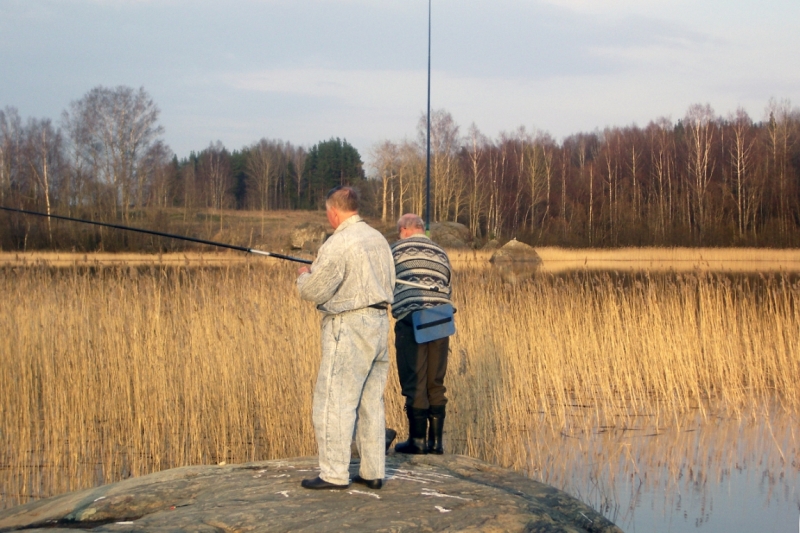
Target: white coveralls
353, 270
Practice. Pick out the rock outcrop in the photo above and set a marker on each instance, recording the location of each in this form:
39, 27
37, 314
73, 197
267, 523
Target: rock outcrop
516, 261
450, 234
308, 237
421, 493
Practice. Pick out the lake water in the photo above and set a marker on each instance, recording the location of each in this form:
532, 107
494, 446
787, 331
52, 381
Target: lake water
703, 473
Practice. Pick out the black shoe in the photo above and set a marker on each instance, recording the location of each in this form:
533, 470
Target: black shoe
370, 483
319, 483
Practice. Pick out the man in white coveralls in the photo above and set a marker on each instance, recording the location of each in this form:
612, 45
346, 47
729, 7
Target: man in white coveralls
352, 282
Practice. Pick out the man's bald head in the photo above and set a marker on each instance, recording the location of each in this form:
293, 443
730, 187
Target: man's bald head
410, 224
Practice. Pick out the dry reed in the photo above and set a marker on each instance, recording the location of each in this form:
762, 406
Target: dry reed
113, 372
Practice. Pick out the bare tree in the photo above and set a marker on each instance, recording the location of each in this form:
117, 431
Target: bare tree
112, 131
385, 159
446, 185
411, 179
43, 157
741, 154
662, 163
216, 178
539, 171
476, 157
700, 136
155, 188
265, 162
548, 148
297, 157
11, 140
780, 145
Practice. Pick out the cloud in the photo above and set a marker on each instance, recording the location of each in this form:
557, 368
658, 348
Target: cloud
610, 6
363, 88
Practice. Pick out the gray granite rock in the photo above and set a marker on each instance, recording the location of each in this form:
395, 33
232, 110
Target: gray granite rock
421, 493
516, 261
308, 237
450, 234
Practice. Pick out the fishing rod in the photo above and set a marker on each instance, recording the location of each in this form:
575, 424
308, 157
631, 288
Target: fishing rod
193, 239
162, 234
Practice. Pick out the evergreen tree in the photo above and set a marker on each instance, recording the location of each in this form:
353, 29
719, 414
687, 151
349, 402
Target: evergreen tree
331, 163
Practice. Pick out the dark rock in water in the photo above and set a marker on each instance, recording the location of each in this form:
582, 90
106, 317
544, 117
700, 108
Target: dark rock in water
308, 237
421, 493
516, 261
450, 234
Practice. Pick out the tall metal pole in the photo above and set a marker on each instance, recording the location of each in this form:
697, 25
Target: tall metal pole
428, 158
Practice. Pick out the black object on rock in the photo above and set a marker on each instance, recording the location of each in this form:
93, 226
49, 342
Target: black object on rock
370, 483
390, 436
320, 484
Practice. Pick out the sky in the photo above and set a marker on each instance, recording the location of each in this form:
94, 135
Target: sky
306, 71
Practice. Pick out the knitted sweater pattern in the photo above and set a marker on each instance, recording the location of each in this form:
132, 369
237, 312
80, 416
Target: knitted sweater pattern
420, 260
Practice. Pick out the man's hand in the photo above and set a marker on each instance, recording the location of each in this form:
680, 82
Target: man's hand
303, 270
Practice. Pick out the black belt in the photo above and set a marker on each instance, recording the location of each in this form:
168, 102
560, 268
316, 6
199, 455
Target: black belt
383, 306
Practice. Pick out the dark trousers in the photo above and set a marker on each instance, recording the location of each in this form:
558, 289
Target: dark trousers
421, 367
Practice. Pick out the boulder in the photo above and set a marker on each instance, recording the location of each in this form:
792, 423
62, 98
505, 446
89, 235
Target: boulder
308, 237
516, 261
450, 234
420, 493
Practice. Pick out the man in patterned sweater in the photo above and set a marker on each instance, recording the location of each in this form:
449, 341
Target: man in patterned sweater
421, 367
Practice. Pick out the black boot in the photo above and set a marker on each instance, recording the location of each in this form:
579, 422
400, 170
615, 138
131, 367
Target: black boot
417, 427
435, 429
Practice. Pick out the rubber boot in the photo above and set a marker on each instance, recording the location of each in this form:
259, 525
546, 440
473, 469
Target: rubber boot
435, 429
417, 427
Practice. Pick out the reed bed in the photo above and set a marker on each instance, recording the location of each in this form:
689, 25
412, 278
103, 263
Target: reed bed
111, 372
582, 353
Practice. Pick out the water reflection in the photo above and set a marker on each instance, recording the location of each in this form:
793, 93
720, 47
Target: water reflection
710, 474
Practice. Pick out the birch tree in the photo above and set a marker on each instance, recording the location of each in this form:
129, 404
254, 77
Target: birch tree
780, 144
741, 155
700, 163
385, 158
476, 161
112, 131
10, 150
265, 161
43, 157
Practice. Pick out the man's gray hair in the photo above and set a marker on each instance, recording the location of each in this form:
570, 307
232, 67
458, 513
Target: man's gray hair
410, 220
343, 198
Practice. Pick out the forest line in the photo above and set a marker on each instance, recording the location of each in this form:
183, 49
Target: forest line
704, 180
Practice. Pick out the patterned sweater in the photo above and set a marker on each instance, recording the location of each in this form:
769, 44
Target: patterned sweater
420, 260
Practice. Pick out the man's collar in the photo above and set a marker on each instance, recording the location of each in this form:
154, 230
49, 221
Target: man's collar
349, 222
